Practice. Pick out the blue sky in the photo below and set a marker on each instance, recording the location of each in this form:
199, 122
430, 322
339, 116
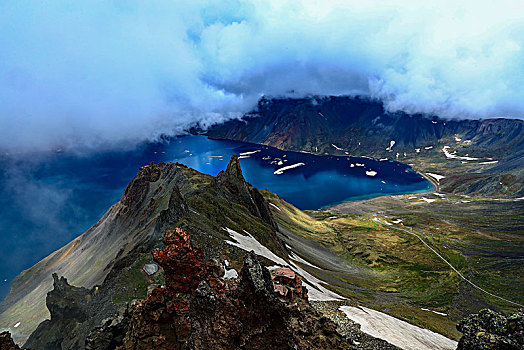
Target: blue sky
99, 74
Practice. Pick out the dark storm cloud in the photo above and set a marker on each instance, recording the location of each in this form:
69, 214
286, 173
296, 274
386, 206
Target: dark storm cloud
95, 74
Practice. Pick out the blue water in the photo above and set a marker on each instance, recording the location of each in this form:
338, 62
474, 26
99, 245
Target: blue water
48, 199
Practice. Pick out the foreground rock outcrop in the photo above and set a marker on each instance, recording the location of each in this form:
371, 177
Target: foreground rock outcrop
198, 309
160, 197
492, 330
7, 343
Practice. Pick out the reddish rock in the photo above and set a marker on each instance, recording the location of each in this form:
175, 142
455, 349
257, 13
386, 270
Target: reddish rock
198, 309
287, 283
183, 264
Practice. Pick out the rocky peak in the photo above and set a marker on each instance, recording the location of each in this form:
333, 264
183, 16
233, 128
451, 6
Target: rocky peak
233, 169
233, 181
137, 189
198, 309
256, 276
287, 284
7, 343
67, 302
183, 264
492, 330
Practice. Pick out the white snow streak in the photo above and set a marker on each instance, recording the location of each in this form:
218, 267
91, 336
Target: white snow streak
397, 332
436, 176
281, 170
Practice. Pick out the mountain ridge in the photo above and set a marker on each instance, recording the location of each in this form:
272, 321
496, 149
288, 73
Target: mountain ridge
489, 151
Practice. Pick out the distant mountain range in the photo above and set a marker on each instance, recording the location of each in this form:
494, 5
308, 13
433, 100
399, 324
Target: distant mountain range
358, 126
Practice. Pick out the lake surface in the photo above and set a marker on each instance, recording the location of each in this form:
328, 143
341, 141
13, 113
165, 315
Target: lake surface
49, 199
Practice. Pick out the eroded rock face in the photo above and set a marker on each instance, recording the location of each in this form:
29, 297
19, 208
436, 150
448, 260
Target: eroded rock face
287, 284
183, 264
198, 309
7, 343
233, 179
492, 330
74, 312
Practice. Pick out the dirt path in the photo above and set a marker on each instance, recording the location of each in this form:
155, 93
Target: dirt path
454, 269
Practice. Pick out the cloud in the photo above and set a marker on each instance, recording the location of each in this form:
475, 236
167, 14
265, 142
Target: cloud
93, 74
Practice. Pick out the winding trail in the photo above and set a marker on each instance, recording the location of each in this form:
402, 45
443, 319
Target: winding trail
458, 272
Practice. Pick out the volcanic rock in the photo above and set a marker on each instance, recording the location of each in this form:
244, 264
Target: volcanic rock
287, 283
7, 343
234, 181
198, 309
492, 330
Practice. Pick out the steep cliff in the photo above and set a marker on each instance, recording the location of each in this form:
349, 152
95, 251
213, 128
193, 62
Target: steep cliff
160, 196
199, 309
484, 156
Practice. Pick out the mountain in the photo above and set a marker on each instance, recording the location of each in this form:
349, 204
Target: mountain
481, 156
159, 197
88, 287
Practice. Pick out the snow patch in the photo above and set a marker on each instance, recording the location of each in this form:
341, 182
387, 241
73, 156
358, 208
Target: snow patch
428, 200
435, 312
371, 173
397, 332
297, 258
454, 156
436, 176
391, 144
337, 148
16, 325
250, 243
231, 273
316, 291
275, 206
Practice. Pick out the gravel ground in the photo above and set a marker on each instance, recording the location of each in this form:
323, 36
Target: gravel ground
350, 329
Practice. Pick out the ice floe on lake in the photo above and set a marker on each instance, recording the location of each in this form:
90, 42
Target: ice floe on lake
250, 152
281, 170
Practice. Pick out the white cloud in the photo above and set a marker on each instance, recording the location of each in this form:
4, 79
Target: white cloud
101, 73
